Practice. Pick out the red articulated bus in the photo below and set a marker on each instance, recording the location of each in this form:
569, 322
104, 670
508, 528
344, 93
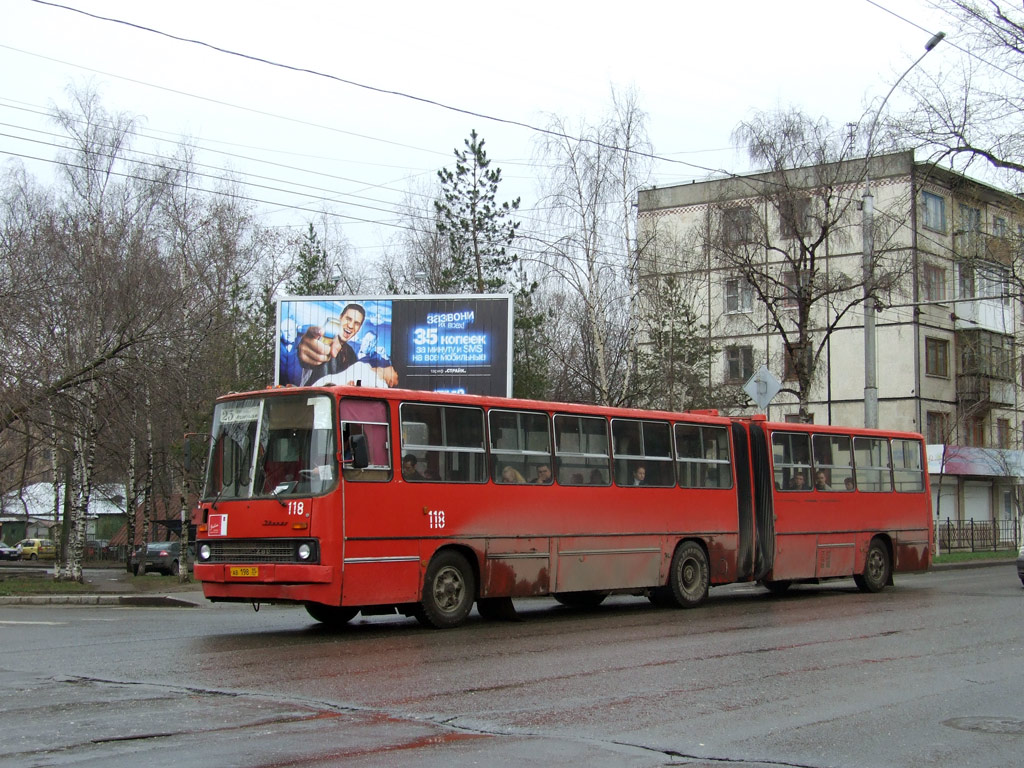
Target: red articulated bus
349, 500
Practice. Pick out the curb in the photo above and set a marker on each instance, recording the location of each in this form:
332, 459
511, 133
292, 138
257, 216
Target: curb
968, 564
135, 601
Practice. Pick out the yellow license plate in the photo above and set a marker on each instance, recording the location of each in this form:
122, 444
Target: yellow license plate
247, 572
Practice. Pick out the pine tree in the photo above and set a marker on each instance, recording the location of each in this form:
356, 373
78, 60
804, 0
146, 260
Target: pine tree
478, 229
313, 271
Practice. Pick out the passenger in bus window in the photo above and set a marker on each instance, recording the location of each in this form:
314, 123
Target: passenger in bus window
409, 471
511, 475
820, 483
543, 475
596, 477
848, 484
798, 482
640, 475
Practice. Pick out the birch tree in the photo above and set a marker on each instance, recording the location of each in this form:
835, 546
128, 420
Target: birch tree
595, 173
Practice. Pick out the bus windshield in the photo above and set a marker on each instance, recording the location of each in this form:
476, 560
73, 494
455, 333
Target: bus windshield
273, 446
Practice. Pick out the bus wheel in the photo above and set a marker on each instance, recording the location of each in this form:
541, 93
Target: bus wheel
877, 568
590, 598
331, 615
449, 590
690, 576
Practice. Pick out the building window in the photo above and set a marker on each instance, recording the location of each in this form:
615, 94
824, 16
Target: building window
969, 231
789, 372
937, 427
739, 296
790, 288
1002, 433
992, 283
998, 227
737, 225
984, 281
936, 357
934, 212
739, 364
975, 429
793, 220
933, 283
967, 288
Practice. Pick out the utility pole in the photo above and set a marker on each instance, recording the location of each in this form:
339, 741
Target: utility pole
868, 261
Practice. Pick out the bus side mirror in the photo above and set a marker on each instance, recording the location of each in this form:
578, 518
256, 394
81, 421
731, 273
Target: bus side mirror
360, 453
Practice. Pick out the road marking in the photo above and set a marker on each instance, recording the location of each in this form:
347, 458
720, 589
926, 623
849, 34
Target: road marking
41, 623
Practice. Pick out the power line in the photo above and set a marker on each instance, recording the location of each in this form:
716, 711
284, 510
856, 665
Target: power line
383, 91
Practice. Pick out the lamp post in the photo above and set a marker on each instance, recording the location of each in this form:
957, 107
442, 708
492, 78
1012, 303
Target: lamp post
868, 250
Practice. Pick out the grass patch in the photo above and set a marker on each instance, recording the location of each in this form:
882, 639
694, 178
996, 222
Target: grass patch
963, 557
36, 585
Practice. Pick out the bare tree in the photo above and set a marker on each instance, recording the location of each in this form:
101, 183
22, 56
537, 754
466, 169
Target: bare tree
591, 247
972, 111
419, 254
778, 231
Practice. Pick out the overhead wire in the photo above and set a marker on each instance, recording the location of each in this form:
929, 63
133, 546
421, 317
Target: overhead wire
383, 91
262, 60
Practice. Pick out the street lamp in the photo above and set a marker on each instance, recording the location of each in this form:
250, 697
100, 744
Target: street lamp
868, 249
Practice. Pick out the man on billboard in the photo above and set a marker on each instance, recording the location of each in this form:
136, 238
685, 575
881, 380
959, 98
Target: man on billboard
326, 355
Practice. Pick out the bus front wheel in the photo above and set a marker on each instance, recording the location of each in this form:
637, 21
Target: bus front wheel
449, 590
690, 576
877, 568
331, 615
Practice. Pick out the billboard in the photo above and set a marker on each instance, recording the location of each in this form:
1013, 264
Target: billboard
457, 344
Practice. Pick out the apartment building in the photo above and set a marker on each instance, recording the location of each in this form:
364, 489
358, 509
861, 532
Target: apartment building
775, 265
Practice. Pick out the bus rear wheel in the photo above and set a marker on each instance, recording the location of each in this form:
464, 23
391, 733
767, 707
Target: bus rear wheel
689, 576
449, 591
331, 615
877, 568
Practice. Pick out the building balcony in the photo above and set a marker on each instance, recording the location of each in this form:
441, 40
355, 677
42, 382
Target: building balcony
974, 388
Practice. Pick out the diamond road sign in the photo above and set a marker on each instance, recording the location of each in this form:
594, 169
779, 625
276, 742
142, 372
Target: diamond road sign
762, 387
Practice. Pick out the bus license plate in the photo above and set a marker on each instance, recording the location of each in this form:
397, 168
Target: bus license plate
247, 572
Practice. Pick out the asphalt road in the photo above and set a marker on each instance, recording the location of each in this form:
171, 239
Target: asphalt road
924, 674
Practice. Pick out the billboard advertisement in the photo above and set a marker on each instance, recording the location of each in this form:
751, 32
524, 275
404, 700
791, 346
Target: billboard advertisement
460, 344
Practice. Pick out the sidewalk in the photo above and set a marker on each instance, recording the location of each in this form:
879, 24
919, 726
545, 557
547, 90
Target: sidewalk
115, 586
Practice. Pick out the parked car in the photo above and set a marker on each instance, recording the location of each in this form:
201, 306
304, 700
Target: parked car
158, 557
1020, 563
8, 552
37, 549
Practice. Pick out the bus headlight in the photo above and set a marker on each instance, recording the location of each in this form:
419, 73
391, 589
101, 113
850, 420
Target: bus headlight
304, 551
204, 552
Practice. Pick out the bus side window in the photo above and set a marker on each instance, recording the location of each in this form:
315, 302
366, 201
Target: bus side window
702, 453
791, 455
874, 465
581, 450
520, 444
908, 470
447, 440
833, 463
643, 453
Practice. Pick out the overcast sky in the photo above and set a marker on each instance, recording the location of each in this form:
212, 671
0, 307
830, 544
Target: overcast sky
698, 69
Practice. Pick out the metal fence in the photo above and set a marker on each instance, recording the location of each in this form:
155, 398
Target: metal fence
976, 535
